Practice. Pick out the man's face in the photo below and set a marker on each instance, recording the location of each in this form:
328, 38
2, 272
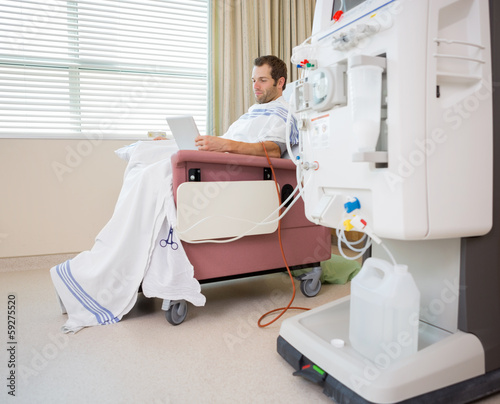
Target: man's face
264, 87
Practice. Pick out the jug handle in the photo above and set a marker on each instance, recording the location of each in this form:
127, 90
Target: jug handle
372, 264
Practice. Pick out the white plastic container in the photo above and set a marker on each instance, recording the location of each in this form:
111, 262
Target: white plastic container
384, 313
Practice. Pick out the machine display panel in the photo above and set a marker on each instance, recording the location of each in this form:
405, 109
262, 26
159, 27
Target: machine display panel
345, 5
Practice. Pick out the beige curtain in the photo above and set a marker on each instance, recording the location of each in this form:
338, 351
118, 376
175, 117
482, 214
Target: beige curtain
240, 31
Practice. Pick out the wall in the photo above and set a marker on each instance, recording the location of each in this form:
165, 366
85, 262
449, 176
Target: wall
56, 195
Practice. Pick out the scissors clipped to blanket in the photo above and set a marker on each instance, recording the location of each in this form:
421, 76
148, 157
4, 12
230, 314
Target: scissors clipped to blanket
169, 240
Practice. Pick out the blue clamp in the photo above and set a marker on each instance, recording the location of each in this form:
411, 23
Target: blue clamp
352, 205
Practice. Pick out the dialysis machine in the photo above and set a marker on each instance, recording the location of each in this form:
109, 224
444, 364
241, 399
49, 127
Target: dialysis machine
396, 125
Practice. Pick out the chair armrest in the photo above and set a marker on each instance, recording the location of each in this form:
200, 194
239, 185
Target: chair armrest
183, 156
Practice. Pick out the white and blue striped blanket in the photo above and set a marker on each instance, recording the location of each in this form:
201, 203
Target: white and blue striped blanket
100, 286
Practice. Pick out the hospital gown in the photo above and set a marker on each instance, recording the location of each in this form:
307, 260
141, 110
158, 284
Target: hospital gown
100, 286
265, 122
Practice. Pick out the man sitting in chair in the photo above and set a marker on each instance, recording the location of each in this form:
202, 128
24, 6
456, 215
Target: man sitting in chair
99, 286
264, 122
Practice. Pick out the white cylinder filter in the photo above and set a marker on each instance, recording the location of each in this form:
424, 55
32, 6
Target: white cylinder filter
365, 97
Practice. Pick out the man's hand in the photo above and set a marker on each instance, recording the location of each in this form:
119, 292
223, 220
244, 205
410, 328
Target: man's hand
218, 144
212, 143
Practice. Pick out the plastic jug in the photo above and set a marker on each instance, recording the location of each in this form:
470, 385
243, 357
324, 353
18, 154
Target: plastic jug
384, 313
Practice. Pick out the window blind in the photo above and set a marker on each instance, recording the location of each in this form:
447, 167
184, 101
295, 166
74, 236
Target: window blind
101, 69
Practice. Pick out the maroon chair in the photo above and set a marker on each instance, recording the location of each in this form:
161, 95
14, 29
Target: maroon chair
305, 244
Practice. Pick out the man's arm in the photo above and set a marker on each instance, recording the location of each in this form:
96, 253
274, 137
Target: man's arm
215, 143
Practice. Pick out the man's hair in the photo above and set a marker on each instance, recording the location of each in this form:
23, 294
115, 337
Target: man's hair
278, 67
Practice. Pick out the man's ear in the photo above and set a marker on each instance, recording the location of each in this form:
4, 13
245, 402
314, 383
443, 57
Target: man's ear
281, 82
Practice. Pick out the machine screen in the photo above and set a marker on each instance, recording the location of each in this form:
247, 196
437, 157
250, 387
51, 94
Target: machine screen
345, 5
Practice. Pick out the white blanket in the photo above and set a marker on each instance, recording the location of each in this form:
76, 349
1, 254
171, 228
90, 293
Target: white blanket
137, 245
